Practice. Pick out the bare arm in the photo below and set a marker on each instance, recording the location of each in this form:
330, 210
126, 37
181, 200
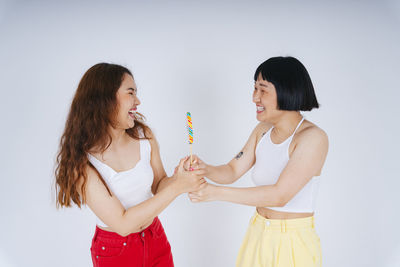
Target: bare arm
306, 162
125, 221
239, 165
161, 180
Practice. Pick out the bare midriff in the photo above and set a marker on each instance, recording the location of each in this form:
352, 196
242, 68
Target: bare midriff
110, 230
279, 215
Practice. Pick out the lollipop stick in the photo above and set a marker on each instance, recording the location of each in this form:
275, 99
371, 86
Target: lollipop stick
191, 161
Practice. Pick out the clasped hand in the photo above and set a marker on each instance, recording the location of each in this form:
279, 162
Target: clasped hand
204, 192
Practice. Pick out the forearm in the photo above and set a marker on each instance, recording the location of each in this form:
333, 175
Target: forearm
135, 218
222, 174
260, 196
164, 182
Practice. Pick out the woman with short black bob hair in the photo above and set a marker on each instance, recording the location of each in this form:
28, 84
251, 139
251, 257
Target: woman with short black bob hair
287, 154
292, 82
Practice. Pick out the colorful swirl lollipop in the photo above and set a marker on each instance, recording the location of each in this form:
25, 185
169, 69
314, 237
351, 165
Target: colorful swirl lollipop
190, 130
190, 127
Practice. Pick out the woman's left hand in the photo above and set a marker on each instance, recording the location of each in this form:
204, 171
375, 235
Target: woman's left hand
206, 193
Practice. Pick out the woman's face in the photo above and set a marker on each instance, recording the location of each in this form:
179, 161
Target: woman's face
127, 101
264, 96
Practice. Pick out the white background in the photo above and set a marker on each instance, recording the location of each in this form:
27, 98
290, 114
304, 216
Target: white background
200, 57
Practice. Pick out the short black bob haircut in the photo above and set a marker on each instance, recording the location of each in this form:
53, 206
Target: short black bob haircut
293, 85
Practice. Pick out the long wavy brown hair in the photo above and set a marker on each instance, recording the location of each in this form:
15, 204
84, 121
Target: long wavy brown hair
93, 109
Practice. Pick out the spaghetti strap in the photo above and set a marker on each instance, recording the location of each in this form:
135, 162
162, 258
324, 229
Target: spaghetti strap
298, 125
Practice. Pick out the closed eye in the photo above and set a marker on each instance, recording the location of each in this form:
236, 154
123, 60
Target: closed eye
132, 91
261, 90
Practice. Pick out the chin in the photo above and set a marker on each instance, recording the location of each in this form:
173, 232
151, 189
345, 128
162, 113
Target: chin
130, 125
261, 118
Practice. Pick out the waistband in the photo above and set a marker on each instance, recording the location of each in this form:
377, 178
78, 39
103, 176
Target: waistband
282, 225
153, 229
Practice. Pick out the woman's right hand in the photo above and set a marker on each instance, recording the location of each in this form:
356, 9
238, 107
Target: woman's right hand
197, 164
188, 181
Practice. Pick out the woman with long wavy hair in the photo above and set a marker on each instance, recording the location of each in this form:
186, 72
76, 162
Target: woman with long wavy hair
110, 161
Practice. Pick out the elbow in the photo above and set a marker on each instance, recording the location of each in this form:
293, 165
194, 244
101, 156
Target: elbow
281, 200
277, 198
281, 204
125, 228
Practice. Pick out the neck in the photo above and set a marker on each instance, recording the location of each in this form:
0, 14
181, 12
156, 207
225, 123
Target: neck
117, 136
287, 123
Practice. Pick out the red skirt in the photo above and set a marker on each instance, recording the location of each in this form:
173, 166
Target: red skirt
148, 248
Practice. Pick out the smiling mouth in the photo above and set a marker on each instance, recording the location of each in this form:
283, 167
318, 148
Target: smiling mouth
260, 109
132, 113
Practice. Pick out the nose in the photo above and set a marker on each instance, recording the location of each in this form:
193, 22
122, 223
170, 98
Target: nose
137, 101
256, 96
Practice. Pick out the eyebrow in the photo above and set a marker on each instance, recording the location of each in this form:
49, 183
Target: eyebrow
132, 89
263, 85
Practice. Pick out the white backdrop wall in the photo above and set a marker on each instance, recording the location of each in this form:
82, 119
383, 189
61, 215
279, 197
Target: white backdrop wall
200, 57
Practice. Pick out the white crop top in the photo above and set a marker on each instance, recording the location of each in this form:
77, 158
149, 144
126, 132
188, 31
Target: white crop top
271, 159
132, 186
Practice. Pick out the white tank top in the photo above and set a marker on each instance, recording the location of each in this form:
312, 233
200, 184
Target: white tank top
271, 159
132, 186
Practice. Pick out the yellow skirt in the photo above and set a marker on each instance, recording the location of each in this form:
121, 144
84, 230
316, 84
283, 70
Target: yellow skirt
280, 243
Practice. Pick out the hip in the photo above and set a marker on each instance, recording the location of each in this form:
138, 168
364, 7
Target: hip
140, 249
280, 215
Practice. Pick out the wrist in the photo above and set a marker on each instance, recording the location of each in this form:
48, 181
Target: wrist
175, 186
214, 192
207, 169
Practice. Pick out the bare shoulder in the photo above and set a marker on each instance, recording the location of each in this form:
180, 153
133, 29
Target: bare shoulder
261, 129
152, 138
92, 177
91, 171
148, 132
311, 133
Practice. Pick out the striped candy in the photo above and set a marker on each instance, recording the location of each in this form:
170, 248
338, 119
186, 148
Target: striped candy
190, 127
